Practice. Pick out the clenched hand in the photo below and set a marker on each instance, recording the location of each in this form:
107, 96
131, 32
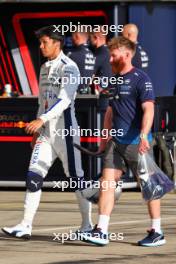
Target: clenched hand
34, 126
144, 146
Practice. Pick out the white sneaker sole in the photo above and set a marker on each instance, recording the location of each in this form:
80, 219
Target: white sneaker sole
156, 244
95, 240
13, 234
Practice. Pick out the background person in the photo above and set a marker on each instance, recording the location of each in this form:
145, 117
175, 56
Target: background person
140, 59
84, 59
101, 53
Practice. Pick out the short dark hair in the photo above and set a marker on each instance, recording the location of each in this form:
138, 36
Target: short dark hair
118, 42
51, 32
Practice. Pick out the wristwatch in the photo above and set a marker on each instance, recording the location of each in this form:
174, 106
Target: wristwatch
143, 136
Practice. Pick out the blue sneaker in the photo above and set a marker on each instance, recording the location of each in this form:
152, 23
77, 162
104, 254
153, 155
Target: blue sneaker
78, 233
96, 237
153, 239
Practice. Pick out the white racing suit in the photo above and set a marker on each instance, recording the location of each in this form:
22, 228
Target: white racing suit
56, 109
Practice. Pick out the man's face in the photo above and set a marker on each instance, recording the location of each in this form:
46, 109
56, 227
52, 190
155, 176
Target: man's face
94, 39
48, 47
117, 59
125, 33
74, 38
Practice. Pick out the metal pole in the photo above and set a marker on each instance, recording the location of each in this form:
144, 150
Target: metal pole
174, 178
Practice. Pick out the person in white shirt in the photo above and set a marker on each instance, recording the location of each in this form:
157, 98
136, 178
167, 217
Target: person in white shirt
56, 112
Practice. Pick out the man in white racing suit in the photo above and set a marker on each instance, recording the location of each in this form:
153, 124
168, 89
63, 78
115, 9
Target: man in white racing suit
58, 84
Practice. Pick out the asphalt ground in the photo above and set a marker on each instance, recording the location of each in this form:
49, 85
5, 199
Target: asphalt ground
58, 214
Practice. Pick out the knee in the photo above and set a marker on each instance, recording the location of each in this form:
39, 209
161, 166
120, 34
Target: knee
107, 175
34, 181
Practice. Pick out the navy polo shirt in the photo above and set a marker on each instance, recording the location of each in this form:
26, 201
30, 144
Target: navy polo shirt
102, 64
126, 104
85, 60
140, 59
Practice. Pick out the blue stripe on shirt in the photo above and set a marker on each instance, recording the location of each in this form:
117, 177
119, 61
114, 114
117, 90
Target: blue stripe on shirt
53, 105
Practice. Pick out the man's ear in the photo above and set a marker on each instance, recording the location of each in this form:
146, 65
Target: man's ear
57, 43
128, 54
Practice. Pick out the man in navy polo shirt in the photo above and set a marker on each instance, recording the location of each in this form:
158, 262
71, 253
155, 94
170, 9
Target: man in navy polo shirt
140, 59
84, 59
131, 111
101, 53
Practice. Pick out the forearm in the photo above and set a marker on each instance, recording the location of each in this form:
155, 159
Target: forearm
147, 119
106, 125
108, 119
56, 110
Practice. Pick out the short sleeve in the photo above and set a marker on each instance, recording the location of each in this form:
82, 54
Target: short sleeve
145, 89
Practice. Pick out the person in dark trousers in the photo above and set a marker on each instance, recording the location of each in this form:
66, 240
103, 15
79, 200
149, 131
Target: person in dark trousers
140, 59
84, 59
101, 52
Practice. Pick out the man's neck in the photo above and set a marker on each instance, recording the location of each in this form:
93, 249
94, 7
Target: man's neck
55, 55
101, 44
126, 69
81, 43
